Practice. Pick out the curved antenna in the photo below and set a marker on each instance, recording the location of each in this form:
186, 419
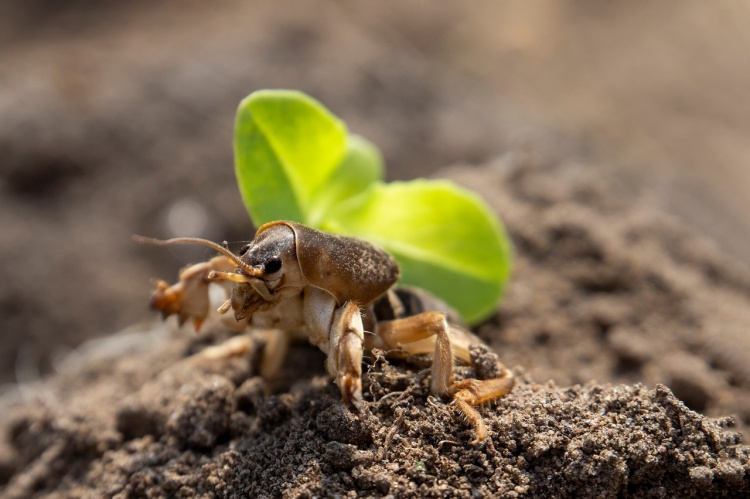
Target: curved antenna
203, 242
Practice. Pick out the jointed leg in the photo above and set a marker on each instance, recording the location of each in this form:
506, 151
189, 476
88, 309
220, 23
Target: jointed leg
472, 392
188, 298
275, 344
238, 346
423, 333
427, 331
274, 353
346, 344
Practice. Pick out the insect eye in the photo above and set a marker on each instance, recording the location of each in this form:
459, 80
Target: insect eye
244, 249
273, 265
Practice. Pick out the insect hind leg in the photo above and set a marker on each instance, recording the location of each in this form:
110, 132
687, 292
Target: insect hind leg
469, 393
422, 333
430, 332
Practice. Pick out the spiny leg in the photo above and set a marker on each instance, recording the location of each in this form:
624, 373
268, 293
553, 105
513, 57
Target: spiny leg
471, 392
423, 333
344, 363
430, 330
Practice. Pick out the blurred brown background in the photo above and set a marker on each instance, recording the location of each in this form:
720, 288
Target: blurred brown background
117, 118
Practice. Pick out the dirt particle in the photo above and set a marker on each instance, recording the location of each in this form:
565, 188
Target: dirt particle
249, 395
135, 421
342, 425
346, 456
702, 476
203, 415
273, 411
485, 361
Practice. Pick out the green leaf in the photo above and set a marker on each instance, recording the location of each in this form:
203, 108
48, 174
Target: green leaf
445, 238
362, 166
286, 147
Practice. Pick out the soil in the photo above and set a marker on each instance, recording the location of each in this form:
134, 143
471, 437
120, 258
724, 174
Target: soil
626, 329
631, 295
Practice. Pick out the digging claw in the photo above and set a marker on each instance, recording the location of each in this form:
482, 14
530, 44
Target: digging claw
351, 391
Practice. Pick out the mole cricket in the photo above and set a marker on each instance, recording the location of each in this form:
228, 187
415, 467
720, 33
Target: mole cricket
341, 291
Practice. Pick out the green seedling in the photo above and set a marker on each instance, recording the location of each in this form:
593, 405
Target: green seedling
296, 161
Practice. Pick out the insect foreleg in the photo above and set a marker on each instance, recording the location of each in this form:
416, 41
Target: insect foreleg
338, 332
345, 354
188, 298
